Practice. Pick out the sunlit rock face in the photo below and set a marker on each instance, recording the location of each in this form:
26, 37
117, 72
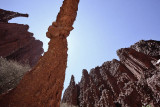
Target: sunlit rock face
131, 82
43, 85
16, 43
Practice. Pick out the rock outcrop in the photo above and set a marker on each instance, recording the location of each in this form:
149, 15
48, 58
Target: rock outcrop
16, 43
5, 15
42, 86
133, 81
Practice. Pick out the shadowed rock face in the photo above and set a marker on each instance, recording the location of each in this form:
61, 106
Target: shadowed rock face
131, 82
42, 86
16, 43
71, 96
5, 15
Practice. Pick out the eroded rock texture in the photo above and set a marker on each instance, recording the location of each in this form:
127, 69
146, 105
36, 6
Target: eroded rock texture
42, 86
16, 43
131, 82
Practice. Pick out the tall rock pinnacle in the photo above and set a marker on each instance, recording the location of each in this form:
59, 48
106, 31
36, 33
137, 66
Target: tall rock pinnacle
43, 85
71, 94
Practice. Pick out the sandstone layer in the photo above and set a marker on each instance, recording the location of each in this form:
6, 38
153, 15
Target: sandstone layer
42, 86
134, 81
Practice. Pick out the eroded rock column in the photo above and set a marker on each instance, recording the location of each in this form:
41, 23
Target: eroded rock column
42, 86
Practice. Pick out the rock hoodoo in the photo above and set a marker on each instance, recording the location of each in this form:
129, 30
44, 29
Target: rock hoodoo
42, 86
133, 81
16, 43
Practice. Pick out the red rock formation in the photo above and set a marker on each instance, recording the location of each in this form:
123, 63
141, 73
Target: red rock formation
71, 96
5, 15
131, 82
18, 44
42, 86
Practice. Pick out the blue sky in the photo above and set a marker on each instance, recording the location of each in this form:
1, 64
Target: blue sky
101, 27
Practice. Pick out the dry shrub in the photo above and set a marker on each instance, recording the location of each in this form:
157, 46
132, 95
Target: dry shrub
11, 73
66, 105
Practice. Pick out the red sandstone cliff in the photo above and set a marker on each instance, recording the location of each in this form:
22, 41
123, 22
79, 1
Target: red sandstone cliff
42, 86
16, 43
133, 81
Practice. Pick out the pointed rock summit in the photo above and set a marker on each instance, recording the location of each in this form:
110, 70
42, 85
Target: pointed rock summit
71, 94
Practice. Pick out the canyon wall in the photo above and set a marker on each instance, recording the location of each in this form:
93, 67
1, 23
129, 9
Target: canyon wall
16, 43
133, 81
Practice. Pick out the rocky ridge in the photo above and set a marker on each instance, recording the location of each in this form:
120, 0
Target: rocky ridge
16, 43
134, 81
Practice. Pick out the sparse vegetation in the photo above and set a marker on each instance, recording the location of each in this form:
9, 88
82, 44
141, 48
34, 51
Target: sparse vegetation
147, 106
66, 105
11, 73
